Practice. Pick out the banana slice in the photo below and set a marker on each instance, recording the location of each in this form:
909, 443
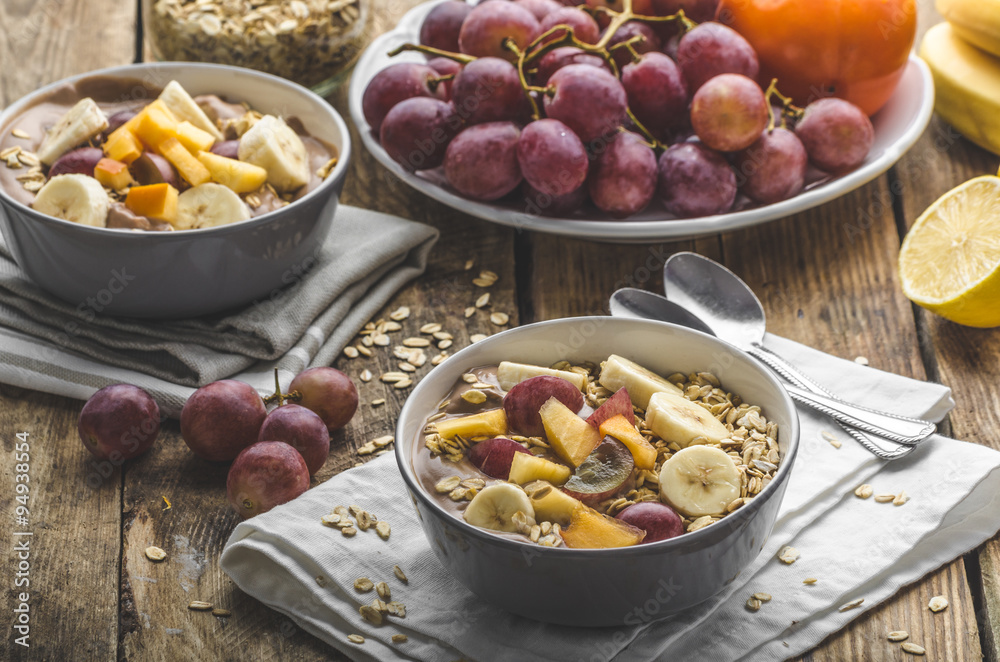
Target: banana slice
274, 146
184, 107
640, 383
208, 205
675, 418
77, 198
494, 508
511, 374
80, 123
700, 480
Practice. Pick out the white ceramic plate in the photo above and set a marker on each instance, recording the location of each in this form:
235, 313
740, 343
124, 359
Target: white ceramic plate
897, 126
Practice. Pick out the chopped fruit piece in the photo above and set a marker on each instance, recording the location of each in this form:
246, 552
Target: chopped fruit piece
589, 529
699, 481
154, 124
189, 168
525, 468
122, 145
510, 374
523, 401
551, 504
569, 435
485, 424
605, 473
675, 418
179, 102
618, 404
156, 201
658, 520
493, 457
194, 139
642, 451
239, 176
641, 383
113, 174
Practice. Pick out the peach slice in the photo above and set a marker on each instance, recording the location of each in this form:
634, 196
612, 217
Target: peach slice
642, 451
570, 436
589, 529
156, 201
492, 423
122, 145
551, 504
113, 174
154, 124
190, 169
194, 139
239, 176
525, 468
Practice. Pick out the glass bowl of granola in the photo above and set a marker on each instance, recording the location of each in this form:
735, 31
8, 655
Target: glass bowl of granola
588, 471
311, 42
169, 190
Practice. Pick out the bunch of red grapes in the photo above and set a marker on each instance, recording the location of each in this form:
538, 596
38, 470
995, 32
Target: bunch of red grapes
549, 107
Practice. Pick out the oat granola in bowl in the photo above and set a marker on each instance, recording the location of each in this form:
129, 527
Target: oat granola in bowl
577, 470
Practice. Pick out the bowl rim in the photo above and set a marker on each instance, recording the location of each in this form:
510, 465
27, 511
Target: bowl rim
338, 173
402, 447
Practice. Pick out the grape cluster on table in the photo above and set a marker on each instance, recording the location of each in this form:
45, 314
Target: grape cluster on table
679, 116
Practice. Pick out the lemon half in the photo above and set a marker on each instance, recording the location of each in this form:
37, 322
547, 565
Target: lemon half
949, 262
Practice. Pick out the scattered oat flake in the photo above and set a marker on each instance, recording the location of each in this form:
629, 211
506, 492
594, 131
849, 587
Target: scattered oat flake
763, 597
366, 375
430, 328
753, 604
399, 638
400, 574
199, 605
912, 648
885, 498
477, 337
370, 614
938, 603
500, 319
835, 443
788, 555
864, 491
154, 553
898, 635
400, 314
853, 604
483, 301
861, 360
809, 581
444, 344
469, 264
470, 311
333, 519
355, 639
321, 580
378, 402
364, 350
383, 591
446, 485
403, 383
363, 584
19, 133
827, 435
416, 342
222, 613
349, 531
901, 498
474, 396
482, 282
351, 352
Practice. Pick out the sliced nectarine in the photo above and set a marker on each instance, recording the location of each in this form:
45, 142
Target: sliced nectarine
113, 174
122, 145
643, 452
589, 529
194, 139
188, 167
571, 437
525, 468
551, 504
156, 201
237, 175
492, 423
155, 124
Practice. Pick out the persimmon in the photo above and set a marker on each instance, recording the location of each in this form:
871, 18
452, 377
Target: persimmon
852, 49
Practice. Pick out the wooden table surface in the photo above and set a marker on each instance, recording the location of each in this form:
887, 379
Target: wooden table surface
827, 278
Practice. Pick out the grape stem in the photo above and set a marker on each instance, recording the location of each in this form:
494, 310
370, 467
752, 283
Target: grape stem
651, 140
461, 58
434, 82
788, 109
278, 396
509, 44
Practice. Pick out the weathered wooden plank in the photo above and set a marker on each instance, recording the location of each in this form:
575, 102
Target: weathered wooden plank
74, 510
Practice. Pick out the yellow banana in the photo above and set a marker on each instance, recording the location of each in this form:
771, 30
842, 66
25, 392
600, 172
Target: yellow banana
966, 85
976, 21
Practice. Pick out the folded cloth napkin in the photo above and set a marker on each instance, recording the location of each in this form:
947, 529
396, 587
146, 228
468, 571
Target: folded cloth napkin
855, 548
367, 257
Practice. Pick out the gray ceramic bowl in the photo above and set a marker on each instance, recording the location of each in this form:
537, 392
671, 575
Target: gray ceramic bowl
192, 272
609, 586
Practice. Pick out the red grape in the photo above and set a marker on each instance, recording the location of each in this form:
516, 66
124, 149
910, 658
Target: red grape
539, 8
481, 162
656, 92
80, 161
564, 56
416, 132
585, 28
588, 100
837, 134
445, 67
552, 158
711, 49
489, 90
695, 181
729, 112
650, 41
393, 84
773, 168
623, 180
442, 25
490, 23
221, 419
328, 392
300, 428
537, 203
119, 422
698, 11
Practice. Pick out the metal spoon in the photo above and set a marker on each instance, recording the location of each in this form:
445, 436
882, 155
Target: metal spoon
631, 302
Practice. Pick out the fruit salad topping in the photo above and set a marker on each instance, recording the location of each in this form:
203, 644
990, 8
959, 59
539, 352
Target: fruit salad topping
595, 456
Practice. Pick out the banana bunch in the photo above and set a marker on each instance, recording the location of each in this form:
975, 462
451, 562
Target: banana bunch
963, 55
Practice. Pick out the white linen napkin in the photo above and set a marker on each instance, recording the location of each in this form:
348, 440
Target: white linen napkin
855, 548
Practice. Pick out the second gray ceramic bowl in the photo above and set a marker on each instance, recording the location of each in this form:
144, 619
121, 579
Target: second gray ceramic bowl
601, 587
192, 272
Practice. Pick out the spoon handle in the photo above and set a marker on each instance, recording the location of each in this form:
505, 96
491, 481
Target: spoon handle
901, 429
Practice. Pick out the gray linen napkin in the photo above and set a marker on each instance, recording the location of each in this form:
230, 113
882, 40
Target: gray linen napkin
367, 257
856, 548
